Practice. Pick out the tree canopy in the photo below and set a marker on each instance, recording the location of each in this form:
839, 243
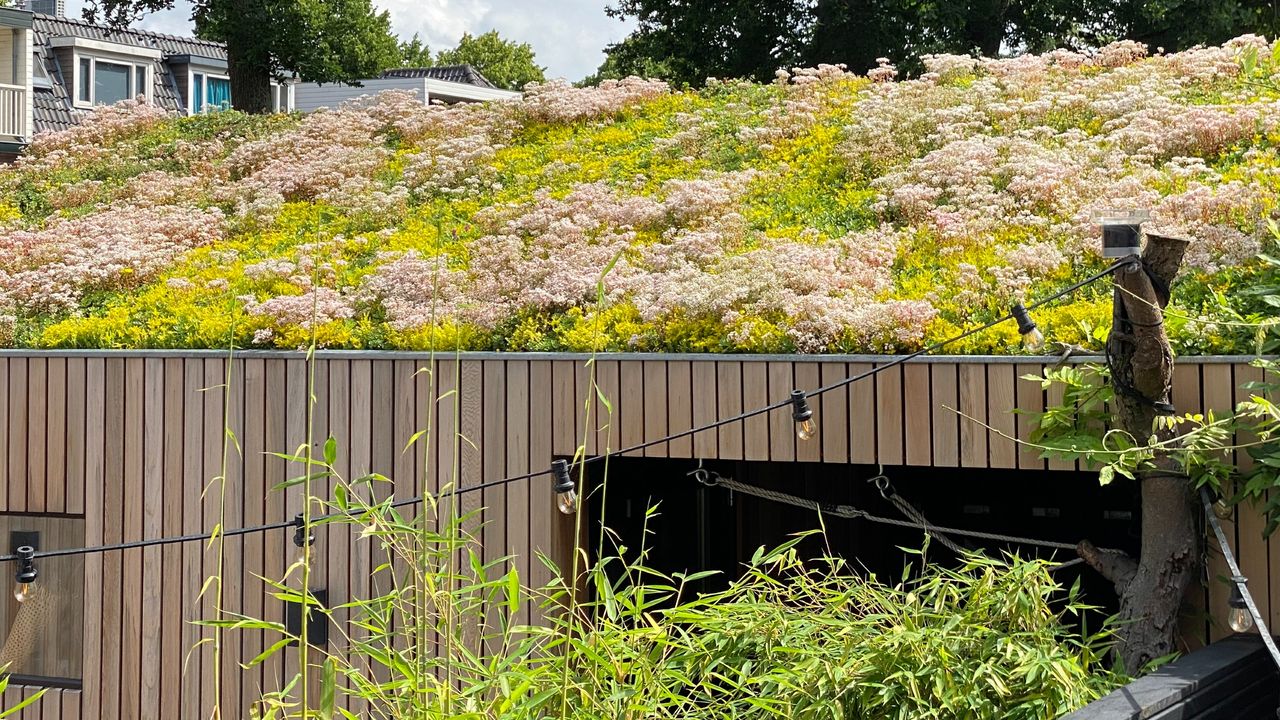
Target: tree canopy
688, 41
319, 40
506, 63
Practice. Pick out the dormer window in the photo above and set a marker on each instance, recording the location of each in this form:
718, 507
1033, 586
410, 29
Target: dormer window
107, 72
103, 82
209, 92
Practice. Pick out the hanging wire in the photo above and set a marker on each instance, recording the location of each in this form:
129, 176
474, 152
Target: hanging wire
1240, 585
417, 499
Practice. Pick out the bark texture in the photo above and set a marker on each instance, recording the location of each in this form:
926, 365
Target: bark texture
1151, 588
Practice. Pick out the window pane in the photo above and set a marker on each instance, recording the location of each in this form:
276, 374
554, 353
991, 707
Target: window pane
140, 80
197, 92
43, 636
84, 79
219, 93
110, 83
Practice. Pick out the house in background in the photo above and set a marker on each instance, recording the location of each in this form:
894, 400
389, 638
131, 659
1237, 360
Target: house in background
443, 83
54, 69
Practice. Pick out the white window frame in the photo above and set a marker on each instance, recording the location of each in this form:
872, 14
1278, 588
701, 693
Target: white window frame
192, 71
109, 52
133, 66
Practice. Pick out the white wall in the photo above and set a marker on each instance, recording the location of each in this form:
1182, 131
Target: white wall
308, 97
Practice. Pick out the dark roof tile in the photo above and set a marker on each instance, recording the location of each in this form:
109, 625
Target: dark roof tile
449, 73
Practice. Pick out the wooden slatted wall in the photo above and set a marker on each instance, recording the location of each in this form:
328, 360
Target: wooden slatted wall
133, 441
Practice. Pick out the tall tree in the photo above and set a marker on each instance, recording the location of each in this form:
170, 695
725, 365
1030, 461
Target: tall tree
415, 53
505, 63
696, 39
1179, 24
319, 40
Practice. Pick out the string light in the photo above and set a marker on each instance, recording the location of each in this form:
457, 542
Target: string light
26, 575
1032, 338
566, 495
806, 426
1240, 619
303, 538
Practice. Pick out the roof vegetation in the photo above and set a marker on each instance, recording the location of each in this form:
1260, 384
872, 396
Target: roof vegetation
824, 212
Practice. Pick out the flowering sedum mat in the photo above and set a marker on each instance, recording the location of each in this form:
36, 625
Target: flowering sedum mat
825, 212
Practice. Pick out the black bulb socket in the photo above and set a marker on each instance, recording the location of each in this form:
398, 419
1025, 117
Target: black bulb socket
300, 535
1237, 596
800, 410
560, 469
26, 565
1020, 314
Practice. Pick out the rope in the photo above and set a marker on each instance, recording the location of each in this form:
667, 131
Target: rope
852, 513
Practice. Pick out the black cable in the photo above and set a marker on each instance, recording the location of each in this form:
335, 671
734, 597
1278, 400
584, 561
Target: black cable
594, 458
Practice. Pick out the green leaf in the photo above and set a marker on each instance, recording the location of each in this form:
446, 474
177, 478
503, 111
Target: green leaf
328, 688
330, 450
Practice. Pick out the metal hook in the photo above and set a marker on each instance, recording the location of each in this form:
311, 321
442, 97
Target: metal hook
881, 482
704, 476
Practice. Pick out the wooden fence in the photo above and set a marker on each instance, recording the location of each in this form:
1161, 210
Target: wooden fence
131, 440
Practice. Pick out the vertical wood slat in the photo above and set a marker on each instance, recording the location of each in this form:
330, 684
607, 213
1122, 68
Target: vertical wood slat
37, 414
16, 488
1218, 395
1251, 549
705, 401
542, 511
519, 538
916, 402
494, 457
835, 415
56, 437
729, 392
607, 420
863, 421
110, 670
756, 431
631, 402
1001, 402
1053, 398
254, 513
973, 409
655, 406
807, 379
1030, 397
679, 407
889, 439
148, 583
945, 398
782, 429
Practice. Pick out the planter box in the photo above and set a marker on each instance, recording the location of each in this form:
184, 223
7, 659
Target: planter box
1233, 678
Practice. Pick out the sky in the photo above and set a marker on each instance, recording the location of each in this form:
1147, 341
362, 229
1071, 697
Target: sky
568, 36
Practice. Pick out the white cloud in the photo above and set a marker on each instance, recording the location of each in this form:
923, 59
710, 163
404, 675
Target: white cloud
568, 36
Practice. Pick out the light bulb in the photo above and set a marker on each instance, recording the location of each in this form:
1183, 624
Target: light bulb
1240, 619
1222, 509
1033, 340
802, 414
806, 429
567, 502
23, 591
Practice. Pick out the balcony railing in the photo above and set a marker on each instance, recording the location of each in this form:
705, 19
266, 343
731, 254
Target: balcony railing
13, 111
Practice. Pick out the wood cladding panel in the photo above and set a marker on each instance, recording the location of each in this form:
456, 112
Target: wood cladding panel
134, 444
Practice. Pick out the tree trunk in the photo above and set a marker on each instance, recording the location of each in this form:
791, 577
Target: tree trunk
248, 61
250, 85
1151, 589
